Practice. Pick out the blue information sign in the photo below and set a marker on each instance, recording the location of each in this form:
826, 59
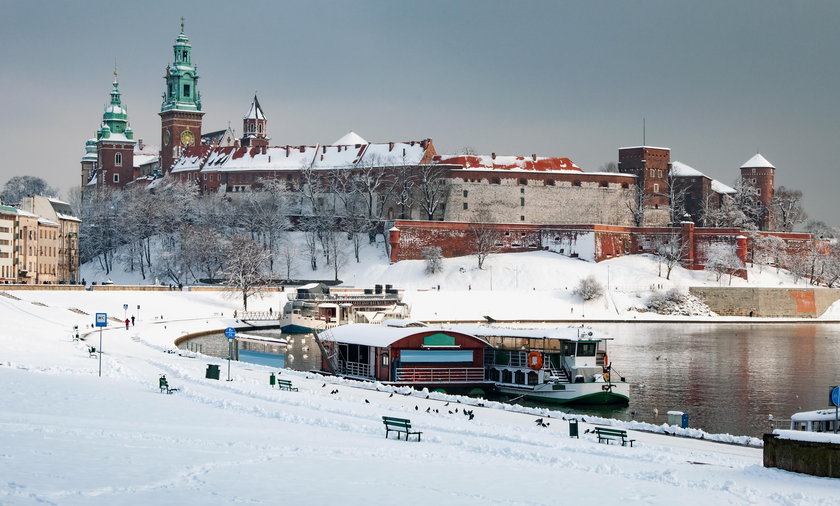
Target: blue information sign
230, 332
101, 320
834, 396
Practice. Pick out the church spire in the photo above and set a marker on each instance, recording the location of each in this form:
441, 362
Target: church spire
255, 125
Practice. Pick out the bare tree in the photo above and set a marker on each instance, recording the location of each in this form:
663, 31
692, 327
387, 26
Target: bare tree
483, 237
431, 188
819, 229
670, 250
677, 193
637, 203
608, 167
288, 253
747, 199
787, 209
589, 288
243, 271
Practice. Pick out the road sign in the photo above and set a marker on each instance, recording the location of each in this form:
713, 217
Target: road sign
101, 320
230, 332
125, 307
834, 396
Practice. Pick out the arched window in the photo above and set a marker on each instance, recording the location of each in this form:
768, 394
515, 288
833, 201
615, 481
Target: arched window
118, 159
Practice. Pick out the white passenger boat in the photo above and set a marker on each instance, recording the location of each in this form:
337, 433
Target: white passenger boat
552, 365
821, 420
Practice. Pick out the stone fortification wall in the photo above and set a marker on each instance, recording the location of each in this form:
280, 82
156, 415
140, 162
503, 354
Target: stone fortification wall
555, 199
768, 302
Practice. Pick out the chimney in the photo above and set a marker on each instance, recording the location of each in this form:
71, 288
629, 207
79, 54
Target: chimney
534, 157
493, 155
303, 149
287, 151
324, 149
390, 146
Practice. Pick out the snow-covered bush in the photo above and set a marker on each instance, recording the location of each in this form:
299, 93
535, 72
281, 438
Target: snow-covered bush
589, 288
434, 259
676, 302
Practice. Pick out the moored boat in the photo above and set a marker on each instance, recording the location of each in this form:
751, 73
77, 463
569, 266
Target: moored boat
552, 365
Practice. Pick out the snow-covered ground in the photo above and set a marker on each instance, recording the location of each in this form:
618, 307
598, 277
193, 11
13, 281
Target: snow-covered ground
71, 437
519, 286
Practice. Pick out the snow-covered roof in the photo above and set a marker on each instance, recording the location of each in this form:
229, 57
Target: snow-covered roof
369, 335
255, 111
510, 162
679, 169
820, 414
350, 139
46, 222
719, 187
231, 158
646, 147
570, 333
757, 161
140, 160
67, 217
115, 137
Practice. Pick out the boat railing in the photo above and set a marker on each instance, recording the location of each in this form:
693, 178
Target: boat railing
439, 374
355, 369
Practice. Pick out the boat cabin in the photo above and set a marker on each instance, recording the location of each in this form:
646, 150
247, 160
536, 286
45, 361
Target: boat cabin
405, 354
821, 420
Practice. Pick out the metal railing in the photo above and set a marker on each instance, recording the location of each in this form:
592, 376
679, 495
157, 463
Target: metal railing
355, 369
439, 374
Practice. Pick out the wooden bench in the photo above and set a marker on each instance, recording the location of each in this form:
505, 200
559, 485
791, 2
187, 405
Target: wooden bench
164, 386
605, 435
399, 425
92, 351
286, 385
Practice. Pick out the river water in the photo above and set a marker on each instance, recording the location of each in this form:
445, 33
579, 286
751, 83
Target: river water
727, 378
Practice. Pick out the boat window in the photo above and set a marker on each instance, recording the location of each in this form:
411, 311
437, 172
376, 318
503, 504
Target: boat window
568, 348
587, 349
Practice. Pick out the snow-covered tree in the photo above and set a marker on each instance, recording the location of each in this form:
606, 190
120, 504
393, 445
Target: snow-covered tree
245, 261
787, 209
483, 238
432, 188
589, 288
747, 200
434, 259
19, 187
670, 250
637, 203
722, 258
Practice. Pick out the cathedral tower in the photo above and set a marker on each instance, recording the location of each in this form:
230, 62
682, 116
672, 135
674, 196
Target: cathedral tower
180, 112
114, 143
255, 126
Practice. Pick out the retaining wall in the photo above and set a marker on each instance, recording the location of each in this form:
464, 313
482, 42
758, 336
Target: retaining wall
816, 459
767, 302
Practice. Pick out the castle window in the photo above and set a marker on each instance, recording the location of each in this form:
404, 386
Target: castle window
758, 191
118, 159
604, 184
656, 188
466, 206
495, 180
522, 201
659, 173
523, 181
116, 178
625, 185
465, 193
549, 182
575, 183
521, 218
187, 90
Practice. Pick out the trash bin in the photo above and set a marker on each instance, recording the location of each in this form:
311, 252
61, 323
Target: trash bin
272, 379
684, 421
573, 428
212, 372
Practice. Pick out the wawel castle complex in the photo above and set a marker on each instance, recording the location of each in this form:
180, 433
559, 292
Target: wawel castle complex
532, 202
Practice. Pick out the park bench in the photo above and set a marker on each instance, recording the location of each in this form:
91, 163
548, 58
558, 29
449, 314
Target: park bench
286, 385
92, 351
605, 435
164, 385
399, 425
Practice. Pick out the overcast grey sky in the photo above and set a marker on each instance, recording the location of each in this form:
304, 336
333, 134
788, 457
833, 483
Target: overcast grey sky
716, 80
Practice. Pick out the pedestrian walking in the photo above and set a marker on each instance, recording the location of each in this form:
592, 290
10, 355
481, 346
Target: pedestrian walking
132, 320
127, 321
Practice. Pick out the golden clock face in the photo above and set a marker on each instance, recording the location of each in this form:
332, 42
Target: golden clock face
167, 137
187, 138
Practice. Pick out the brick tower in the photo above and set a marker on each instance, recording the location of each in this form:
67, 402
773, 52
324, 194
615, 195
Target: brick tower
180, 113
255, 126
761, 174
652, 167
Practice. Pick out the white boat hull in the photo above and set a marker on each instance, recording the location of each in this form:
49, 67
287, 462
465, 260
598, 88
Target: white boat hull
579, 393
